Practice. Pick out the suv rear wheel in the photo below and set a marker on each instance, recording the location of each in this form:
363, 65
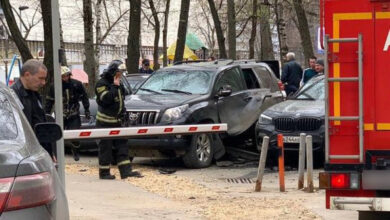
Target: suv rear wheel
201, 151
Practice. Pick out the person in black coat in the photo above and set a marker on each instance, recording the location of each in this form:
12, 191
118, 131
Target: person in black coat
291, 74
33, 77
73, 91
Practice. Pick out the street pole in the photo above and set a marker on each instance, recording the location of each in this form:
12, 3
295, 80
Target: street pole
58, 86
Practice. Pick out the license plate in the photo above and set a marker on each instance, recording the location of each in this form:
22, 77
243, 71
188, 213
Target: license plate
291, 139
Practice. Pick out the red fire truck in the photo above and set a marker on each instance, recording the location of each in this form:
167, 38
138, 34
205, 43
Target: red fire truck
357, 89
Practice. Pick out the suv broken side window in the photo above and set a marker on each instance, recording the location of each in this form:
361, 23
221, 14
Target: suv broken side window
233, 78
250, 79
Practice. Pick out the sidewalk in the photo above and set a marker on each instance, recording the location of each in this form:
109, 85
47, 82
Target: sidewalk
91, 198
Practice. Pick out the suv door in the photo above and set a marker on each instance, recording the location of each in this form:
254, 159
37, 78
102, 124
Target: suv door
233, 109
268, 81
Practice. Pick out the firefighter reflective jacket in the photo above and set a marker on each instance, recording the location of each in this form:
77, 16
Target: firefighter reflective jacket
73, 91
110, 100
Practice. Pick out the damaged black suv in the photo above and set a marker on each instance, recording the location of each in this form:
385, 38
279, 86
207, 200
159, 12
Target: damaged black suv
211, 92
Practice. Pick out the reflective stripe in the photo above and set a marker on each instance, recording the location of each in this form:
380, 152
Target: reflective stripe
120, 101
124, 162
99, 118
100, 89
105, 116
103, 94
49, 98
104, 167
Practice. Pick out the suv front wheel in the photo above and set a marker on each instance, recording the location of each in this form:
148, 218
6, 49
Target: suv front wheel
201, 151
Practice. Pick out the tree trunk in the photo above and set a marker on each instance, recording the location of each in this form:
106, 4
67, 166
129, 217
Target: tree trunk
15, 32
165, 32
253, 32
89, 62
267, 51
98, 36
231, 29
133, 40
304, 31
62, 46
156, 65
281, 29
182, 31
218, 30
48, 45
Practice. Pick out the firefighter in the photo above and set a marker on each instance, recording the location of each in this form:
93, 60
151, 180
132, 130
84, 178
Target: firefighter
73, 91
110, 100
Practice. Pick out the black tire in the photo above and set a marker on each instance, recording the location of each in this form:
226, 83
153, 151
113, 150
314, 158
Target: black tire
200, 153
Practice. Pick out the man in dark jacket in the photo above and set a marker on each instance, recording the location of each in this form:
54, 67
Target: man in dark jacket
32, 78
145, 67
73, 91
110, 99
292, 74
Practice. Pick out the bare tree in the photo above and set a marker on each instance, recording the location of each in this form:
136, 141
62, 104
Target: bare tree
253, 32
267, 51
62, 47
218, 29
28, 25
281, 27
303, 28
203, 24
182, 30
165, 32
133, 44
48, 44
13, 28
98, 12
156, 25
231, 29
89, 62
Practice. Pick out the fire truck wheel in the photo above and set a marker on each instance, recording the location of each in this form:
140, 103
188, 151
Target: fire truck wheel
201, 151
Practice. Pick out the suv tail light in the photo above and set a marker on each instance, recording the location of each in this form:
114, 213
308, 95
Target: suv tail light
281, 86
28, 191
339, 180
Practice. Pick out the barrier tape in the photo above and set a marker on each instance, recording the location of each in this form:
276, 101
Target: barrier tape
102, 133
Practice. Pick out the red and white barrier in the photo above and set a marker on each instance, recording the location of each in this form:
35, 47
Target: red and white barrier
100, 133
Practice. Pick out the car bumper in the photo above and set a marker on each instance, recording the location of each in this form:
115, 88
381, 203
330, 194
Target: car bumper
177, 142
318, 137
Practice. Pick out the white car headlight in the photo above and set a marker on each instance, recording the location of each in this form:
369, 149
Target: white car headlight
172, 114
264, 119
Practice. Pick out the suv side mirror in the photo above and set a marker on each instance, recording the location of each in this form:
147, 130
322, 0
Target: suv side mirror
48, 132
224, 91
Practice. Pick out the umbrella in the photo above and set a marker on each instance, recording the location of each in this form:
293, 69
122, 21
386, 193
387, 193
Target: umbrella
80, 75
188, 54
193, 42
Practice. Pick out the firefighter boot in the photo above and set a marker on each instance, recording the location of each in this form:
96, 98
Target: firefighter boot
125, 171
104, 174
75, 150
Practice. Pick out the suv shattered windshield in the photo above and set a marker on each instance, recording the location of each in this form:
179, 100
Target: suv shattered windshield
8, 128
181, 82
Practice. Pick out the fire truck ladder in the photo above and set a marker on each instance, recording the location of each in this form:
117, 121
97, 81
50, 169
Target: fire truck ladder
358, 79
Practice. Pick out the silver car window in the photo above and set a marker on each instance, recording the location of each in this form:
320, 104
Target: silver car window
8, 128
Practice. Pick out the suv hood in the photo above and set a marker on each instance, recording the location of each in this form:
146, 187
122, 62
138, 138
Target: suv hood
314, 108
159, 102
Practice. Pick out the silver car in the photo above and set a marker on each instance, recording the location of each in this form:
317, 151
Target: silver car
29, 184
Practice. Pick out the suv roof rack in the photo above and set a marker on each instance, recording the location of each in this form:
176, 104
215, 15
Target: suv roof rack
214, 63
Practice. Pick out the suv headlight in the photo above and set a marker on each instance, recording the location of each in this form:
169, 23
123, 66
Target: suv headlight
264, 119
172, 114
